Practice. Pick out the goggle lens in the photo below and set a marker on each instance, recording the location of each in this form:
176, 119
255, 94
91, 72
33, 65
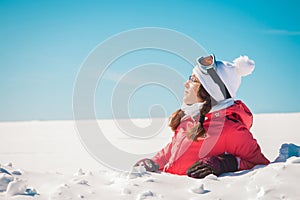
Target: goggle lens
206, 63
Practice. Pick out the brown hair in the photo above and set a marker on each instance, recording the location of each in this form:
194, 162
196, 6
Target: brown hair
198, 130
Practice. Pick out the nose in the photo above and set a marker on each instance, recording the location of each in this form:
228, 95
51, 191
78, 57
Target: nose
186, 84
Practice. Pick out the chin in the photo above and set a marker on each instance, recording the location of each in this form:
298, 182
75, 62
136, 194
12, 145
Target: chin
186, 102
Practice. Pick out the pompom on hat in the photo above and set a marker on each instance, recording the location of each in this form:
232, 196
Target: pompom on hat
230, 73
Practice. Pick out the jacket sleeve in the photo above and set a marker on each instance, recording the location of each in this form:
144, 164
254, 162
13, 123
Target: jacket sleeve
244, 164
163, 156
241, 143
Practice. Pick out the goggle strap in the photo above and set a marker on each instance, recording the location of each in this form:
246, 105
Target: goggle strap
213, 74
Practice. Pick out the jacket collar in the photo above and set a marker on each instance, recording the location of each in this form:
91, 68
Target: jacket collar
222, 105
238, 111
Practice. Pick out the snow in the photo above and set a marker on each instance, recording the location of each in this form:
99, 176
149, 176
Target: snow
46, 160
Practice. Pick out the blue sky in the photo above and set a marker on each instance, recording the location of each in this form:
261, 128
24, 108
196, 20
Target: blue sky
44, 43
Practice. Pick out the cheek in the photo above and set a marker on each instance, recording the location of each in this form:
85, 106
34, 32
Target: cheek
196, 89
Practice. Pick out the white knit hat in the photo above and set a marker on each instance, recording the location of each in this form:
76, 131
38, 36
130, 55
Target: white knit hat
230, 73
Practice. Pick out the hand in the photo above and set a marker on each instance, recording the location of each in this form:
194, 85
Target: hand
149, 165
213, 165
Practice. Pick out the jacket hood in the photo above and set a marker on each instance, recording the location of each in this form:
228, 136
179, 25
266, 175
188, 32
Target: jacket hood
237, 112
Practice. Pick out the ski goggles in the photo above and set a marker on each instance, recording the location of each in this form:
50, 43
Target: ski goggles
208, 66
206, 63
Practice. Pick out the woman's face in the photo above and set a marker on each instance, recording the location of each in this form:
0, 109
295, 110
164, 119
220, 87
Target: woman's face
191, 90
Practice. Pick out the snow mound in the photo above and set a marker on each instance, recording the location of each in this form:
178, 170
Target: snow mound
11, 184
262, 182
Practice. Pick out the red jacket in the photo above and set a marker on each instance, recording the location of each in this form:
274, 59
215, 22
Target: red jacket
227, 131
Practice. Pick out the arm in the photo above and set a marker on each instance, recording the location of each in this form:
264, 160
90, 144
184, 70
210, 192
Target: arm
241, 143
162, 157
158, 162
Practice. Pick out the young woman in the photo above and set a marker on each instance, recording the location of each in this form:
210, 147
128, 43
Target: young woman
211, 130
